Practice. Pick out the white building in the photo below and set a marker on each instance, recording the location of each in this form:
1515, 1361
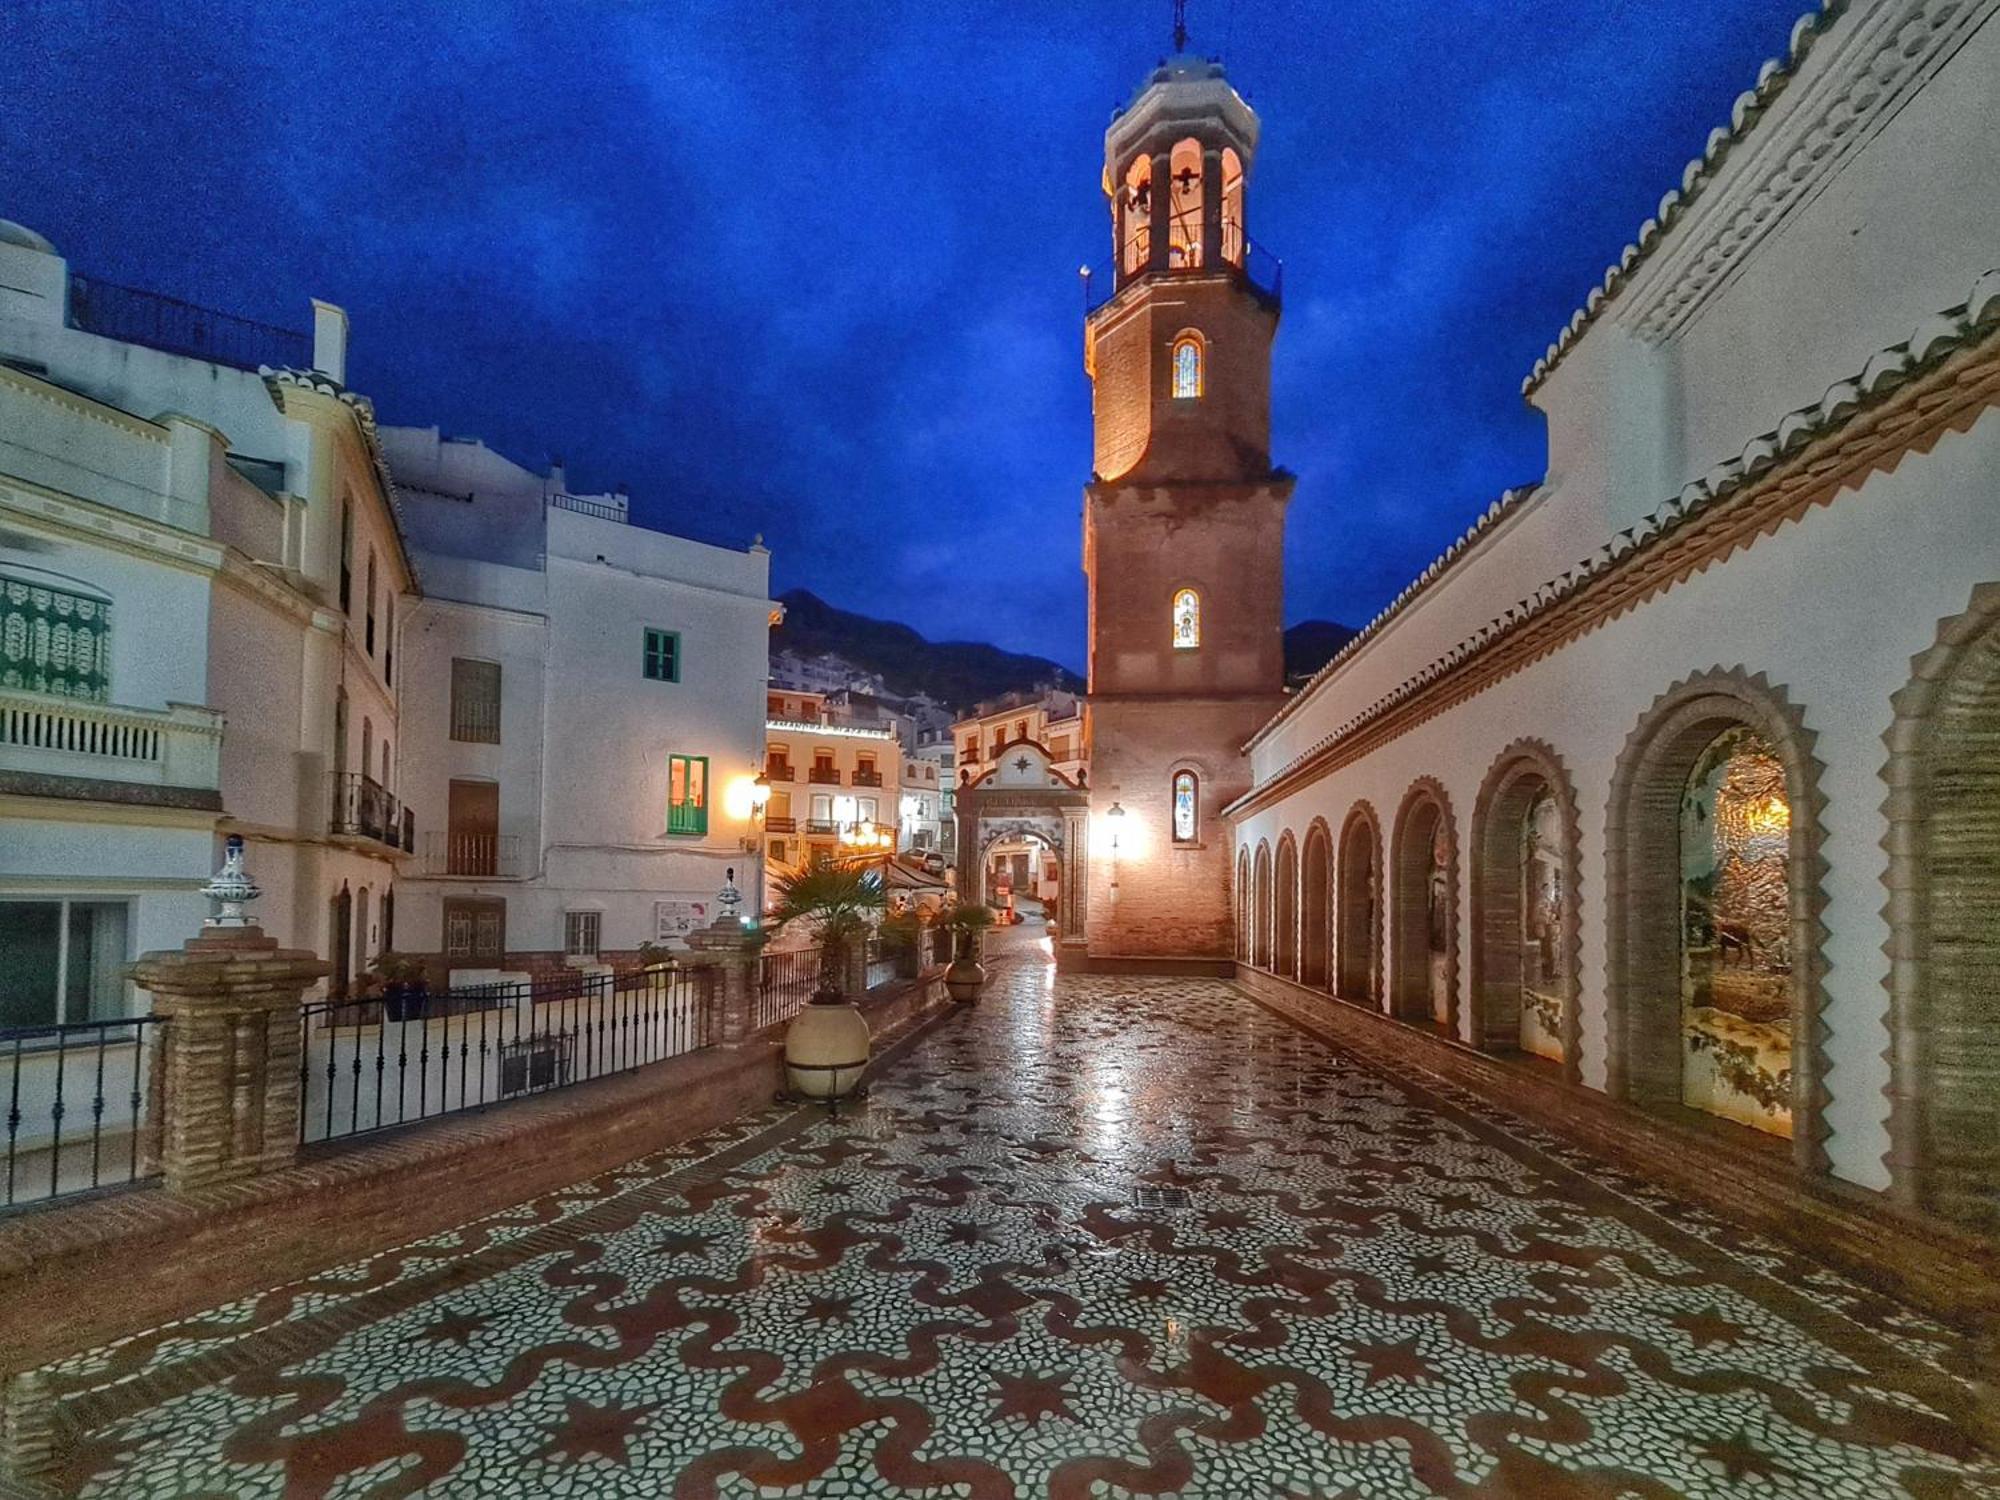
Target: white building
836, 787
200, 576
586, 714
1674, 779
921, 805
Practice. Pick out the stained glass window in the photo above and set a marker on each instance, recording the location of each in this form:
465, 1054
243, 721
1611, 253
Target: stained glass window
1736, 960
54, 641
1185, 808
1187, 620
1187, 368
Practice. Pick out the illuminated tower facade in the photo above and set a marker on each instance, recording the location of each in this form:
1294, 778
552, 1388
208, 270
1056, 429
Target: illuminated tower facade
1184, 520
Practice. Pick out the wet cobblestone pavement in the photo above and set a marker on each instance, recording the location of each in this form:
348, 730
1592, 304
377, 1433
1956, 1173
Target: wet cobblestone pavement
1090, 1237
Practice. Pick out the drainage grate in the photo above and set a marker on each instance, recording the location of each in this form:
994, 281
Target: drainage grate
1160, 1197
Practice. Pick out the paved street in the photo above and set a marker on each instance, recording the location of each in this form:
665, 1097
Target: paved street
1091, 1237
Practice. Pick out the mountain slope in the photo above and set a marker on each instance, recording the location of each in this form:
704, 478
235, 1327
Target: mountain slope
959, 673
1310, 645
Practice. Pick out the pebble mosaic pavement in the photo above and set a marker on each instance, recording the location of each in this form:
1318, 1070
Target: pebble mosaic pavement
1373, 1289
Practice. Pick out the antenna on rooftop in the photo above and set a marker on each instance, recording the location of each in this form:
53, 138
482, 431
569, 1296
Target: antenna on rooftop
1180, 26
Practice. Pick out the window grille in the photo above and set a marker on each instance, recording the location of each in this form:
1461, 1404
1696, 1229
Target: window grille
54, 641
580, 933
475, 701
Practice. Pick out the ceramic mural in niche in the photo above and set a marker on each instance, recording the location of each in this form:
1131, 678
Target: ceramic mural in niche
1736, 961
1544, 959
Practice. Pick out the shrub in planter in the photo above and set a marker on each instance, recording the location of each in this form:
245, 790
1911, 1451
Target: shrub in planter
966, 924
903, 941
404, 983
826, 1046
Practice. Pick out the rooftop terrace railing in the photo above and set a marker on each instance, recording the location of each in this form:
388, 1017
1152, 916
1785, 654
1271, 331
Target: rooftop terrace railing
133, 316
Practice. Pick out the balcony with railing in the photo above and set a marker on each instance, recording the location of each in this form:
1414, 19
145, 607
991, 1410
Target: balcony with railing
585, 505
51, 745
867, 778
779, 770
364, 809
824, 776
489, 856
133, 316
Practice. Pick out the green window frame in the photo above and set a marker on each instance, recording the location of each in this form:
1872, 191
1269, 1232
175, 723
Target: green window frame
663, 655
687, 794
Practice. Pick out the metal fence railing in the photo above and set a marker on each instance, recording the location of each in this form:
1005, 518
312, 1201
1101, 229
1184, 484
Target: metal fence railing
135, 316
77, 1099
785, 982
375, 1064
881, 963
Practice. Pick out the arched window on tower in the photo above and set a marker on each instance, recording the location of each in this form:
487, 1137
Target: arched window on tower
1184, 206
1187, 807
1187, 367
1137, 201
1233, 237
1187, 620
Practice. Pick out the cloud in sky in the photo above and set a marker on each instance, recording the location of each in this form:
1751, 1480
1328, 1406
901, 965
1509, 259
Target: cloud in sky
810, 271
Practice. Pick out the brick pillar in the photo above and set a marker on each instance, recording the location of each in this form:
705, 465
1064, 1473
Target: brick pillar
727, 950
228, 1095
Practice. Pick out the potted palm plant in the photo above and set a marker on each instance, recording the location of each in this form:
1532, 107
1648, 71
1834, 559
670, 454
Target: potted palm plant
902, 939
826, 1046
967, 924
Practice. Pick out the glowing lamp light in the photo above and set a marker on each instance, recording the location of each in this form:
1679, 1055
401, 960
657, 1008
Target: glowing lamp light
760, 792
1116, 817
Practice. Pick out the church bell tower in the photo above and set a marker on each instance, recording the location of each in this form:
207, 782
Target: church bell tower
1184, 521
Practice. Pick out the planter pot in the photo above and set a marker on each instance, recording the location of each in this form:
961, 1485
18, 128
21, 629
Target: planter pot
406, 1002
826, 1050
964, 979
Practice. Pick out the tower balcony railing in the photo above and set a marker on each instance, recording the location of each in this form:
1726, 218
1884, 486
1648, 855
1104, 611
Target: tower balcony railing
1261, 271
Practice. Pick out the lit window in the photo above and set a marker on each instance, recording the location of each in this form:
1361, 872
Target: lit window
687, 794
663, 656
1187, 620
1187, 367
1185, 807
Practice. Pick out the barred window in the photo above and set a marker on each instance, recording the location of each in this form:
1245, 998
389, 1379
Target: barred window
54, 640
580, 933
475, 701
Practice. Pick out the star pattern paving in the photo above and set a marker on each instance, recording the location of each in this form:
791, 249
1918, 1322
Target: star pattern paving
1374, 1288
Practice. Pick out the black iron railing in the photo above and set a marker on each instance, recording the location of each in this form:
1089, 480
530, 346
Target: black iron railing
133, 316
77, 1100
603, 510
362, 806
785, 982
881, 962
376, 1064
1260, 270
493, 855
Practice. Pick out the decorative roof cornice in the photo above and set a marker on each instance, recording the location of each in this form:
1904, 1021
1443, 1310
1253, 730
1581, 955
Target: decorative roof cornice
1508, 504
1890, 46
1930, 345
278, 381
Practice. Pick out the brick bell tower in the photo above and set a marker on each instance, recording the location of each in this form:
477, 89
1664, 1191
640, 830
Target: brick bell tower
1184, 522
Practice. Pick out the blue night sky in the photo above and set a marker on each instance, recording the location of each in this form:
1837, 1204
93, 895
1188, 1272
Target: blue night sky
810, 270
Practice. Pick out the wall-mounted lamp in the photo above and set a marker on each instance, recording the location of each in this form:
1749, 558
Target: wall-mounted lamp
1117, 816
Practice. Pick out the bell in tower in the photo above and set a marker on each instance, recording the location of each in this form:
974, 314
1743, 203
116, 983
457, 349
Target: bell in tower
1183, 521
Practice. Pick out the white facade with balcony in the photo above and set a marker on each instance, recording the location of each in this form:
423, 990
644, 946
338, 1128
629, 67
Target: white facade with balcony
199, 575
586, 713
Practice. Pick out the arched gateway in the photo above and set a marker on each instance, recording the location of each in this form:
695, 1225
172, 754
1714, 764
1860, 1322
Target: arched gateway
1024, 798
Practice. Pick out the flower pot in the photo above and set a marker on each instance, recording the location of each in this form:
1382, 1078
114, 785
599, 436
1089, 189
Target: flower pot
826, 1049
964, 978
406, 1002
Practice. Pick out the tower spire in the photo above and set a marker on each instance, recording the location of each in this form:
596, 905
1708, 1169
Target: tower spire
1180, 27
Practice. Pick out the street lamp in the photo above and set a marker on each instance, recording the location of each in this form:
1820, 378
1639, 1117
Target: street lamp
760, 798
1114, 815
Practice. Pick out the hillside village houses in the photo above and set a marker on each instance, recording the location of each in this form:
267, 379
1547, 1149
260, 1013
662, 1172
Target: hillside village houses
482, 721
834, 785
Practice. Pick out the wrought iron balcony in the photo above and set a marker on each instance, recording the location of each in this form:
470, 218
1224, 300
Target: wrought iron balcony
867, 778
132, 316
824, 775
1260, 271
774, 823
363, 808
490, 856
779, 770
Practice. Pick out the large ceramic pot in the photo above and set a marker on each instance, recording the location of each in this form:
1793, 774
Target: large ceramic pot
964, 979
826, 1048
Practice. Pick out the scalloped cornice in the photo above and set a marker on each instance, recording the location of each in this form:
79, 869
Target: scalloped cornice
1930, 345
278, 381
1706, 226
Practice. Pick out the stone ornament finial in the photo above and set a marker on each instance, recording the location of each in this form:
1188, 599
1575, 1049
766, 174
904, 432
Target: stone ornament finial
231, 888
729, 900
